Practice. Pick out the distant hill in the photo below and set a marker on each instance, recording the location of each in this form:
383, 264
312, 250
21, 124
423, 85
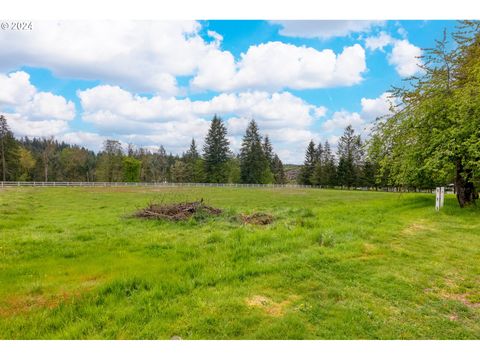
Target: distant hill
291, 172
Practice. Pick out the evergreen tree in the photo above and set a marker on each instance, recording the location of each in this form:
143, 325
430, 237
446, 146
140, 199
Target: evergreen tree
308, 168
368, 174
268, 151
192, 153
317, 176
329, 173
8, 151
349, 157
233, 166
254, 166
215, 152
191, 160
278, 170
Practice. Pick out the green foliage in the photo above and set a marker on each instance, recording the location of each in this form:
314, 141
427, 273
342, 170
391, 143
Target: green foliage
433, 136
329, 170
268, 151
278, 171
131, 169
26, 163
254, 164
74, 162
216, 152
317, 174
233, 166
9, 155
179, 172
110, 162
194, 164
350, 156
308, 169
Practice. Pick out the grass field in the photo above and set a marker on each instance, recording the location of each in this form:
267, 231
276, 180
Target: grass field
334, 265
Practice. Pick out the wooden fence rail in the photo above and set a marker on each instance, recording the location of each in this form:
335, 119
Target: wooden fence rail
168, 185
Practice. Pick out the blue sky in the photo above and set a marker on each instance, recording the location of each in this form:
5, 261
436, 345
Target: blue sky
159, 83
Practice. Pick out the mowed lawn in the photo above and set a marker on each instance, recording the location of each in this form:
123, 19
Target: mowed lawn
334, 265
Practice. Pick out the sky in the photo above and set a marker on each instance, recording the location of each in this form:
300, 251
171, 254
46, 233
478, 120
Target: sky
152, 83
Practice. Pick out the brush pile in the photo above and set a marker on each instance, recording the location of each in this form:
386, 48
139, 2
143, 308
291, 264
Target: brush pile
177, 211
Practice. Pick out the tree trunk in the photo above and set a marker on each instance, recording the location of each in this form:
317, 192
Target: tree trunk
464, 187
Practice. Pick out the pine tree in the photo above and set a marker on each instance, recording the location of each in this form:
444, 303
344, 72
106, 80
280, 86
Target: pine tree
233, 166
254, 165
215, 152
278, 171
268, 151
318, 171
192, 153
192, 160
368, 174
8, 151
308, 168
329, 173
349, 157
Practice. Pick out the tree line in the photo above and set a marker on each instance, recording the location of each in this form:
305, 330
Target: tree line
432, 136
46, 159
349, 167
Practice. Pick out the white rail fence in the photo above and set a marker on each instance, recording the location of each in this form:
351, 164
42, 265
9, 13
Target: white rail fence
170, 185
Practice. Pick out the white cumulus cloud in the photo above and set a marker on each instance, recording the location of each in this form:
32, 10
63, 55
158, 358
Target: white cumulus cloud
15, 88
378, 42
275, 66
148, 56
362, 121
172, 122
142, 55
30, 112
377, 107
325, 29
405, 58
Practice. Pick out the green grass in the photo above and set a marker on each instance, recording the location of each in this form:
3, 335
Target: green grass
334, 265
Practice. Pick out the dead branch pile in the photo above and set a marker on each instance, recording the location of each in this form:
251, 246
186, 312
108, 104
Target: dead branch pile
176, 212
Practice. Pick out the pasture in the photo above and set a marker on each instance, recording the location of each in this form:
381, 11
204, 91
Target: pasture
334, 264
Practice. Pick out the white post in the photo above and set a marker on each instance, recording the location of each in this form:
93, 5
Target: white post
437, 199
442, 196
